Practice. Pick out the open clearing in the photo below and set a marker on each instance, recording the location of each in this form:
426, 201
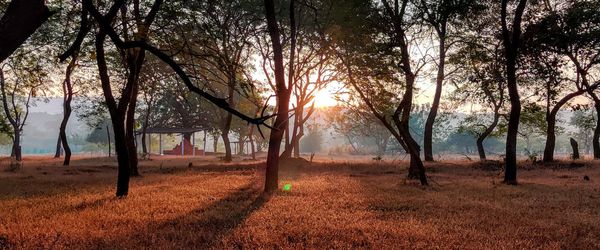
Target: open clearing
331, 205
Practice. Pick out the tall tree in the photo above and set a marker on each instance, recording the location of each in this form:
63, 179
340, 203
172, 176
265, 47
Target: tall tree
511, 38
282, 90
444, 17
482, 74
119, 110
570, 33
373, 70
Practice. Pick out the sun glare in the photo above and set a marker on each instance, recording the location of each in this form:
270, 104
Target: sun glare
324, 98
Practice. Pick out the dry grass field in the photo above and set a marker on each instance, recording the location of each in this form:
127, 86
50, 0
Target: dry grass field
331, 205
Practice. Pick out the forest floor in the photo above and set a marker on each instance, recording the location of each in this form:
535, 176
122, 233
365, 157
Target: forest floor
343, 205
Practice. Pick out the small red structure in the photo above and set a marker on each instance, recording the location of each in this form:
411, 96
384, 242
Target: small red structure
185, 147
188, 149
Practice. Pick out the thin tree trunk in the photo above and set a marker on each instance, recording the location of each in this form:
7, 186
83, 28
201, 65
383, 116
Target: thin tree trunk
486, 133
215, 143
596, 136
68, 97
428, 133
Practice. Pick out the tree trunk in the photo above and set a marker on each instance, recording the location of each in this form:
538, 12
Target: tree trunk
68, 97
58, 147
486, 133
63, 134
21, 18
282, 94
17, 144
596, 136
428, 133
122, 157
144, 146
226, 127
130, 138
550, 138
511, 41
215, 142
117, 114
575, 147
252, 146
227, 143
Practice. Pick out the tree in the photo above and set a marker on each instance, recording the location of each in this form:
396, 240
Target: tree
219, 46
282, 91
584, 122
511, 38
25, 80
571, 32
443, 16
373, 70
119, 110
481, 71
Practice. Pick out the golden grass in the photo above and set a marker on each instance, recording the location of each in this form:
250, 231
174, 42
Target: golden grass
331, 205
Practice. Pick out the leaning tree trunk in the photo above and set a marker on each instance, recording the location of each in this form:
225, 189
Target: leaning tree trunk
485, 134
428, 133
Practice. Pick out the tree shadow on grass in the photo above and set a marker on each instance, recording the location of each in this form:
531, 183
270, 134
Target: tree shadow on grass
204, 227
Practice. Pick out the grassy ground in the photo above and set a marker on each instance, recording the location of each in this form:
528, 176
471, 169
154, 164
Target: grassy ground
331, 205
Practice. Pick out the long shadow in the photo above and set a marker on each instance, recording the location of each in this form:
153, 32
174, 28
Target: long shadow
203, 227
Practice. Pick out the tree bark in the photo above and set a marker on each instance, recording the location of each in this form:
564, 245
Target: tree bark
20, 20
596, 136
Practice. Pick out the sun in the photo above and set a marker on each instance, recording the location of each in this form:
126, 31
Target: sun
325, 98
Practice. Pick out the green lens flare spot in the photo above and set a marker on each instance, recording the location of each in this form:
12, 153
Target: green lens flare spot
287, 187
